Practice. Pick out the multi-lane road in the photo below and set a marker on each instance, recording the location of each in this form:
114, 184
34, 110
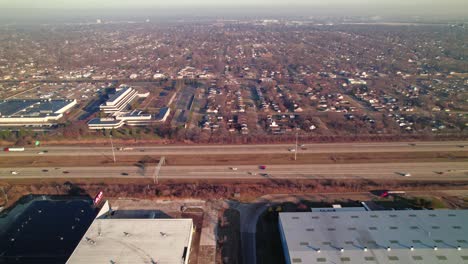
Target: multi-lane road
417, 171
243, 149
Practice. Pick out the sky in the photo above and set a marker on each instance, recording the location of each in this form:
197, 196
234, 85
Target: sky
42, 10
87, 4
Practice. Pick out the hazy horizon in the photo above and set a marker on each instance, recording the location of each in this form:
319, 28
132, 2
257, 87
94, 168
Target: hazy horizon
56, 10
447, 4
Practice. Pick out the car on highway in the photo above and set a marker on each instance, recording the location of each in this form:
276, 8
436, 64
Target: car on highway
262, 167
14, 172
406, 174
44, 170
292, 150
65, 172
233, 168
252, 173
124, 174
41, 152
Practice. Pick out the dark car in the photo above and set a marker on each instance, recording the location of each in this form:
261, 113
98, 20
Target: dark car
124, 174
262, 167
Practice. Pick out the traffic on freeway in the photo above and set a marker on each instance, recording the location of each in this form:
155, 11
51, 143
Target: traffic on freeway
241, 149
404, 171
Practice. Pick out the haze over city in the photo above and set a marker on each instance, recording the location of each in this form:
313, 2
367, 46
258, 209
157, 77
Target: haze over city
51, 10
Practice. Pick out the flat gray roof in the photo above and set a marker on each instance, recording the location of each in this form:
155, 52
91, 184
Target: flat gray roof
134, 241
363, 237
31, 107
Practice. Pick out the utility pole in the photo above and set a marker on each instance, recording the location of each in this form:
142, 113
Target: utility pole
295, 151
112, 145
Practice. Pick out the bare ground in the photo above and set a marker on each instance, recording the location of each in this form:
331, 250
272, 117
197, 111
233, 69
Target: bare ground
245, 159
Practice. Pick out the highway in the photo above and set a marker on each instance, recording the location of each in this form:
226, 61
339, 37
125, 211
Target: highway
395, 171
162, 150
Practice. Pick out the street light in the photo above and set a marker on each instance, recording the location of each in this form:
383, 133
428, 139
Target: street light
112, 145
295, 151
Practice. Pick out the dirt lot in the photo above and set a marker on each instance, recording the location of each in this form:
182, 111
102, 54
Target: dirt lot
243, 190
182, 160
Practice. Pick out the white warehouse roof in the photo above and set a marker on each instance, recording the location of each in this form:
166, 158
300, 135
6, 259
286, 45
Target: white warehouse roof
135, 241
409, 236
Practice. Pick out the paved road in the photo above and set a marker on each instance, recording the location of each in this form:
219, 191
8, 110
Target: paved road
162, 150
420, 171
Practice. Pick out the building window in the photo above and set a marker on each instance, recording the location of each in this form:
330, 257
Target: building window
441, 257
321, 260
345, 259
393, 258
297, 260
417, 258
369, 258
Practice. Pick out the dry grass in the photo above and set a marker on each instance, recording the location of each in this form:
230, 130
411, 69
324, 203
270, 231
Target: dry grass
244, 159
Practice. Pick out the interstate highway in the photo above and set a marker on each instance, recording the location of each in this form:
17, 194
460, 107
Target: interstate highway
395, 171
162, 150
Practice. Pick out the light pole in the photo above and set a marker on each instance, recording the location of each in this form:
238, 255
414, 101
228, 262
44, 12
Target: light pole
295, 151
112, 145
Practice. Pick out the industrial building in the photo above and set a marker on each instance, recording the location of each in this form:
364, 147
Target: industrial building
117, 240
406, 236
33, 112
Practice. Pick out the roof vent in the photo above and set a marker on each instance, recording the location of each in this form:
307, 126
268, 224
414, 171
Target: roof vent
365, 249
318, 250
388, 249
435, 248
458, 248
342, 249
412, 248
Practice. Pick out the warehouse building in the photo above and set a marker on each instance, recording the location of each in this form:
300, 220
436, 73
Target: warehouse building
33, 112
406, 236
118, 240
